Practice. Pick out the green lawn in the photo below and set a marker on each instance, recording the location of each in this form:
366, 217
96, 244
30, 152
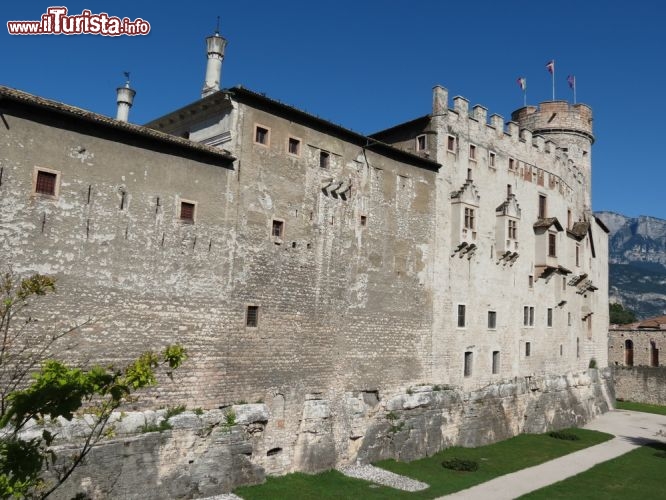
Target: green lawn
628, 405
637, 475
494, 460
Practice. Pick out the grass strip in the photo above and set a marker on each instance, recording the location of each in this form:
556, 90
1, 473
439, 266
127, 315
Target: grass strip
494, 460
638, 474
646, 408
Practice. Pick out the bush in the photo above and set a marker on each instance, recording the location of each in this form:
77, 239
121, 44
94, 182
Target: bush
660, 454
460, 464
567, 436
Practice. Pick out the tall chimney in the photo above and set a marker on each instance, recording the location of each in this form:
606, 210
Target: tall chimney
124, 99
215, 45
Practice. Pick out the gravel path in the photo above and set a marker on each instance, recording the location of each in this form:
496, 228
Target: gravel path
383, 477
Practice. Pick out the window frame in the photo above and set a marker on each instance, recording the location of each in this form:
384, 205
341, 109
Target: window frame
56, 185
472, 152
421, 147
528, 316
492, 320
461, 317
496, 362
512, 229
324, 159
255, 315
267, 142
468, 364
552, 244
549, 317
298, 143
451, 143
492, 159
469, 219
528, 349
181, 202
542, 206
277, 222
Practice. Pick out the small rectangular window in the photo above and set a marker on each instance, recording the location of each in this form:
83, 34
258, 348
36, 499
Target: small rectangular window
561, 350
531, 316
552, 245
278, 228
492, 320
364, 220
530, 281
569, 319
261, 135
577, 256
451, 144
542, 206
294, 146
46, 183
187, 211
564, 283
421, 143
528, 349
468, 364
469, 218
508, 190
569, 219
461, 316
472, 152
252, 316
549, 316
324, 159
512, 164
496, 362
491, 159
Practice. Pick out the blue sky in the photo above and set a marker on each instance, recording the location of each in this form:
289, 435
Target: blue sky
370, 65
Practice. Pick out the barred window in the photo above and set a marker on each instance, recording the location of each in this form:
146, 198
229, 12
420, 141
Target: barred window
187, 211
469, 218
252, 316
46, 183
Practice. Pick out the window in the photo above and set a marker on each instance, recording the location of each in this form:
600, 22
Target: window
577, 347
542, 206
512, 164
261, 135
496, 362
461, 315
324, 159
508, 190
564, 283
530, 281
252, 316
561, 350
492, 320
569, 219
187, 211
577, 255
277, 230
513, 230
552, 245
46, 183
491, 159
421, 143
528, 349
364, 220
549, 317
468, 364
472, 152
294, 146
469, 174
469, 218
528, 316
451, 144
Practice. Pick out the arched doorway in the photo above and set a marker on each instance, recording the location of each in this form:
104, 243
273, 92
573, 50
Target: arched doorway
628, 353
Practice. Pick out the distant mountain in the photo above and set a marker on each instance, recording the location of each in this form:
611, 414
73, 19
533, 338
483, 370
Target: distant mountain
637, 249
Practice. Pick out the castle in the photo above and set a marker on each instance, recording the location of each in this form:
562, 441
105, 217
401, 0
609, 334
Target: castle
447, 271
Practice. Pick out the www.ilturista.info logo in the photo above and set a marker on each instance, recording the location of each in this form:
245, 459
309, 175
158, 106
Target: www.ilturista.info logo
56, 22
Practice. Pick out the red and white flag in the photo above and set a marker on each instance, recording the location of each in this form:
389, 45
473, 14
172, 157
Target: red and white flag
551, 66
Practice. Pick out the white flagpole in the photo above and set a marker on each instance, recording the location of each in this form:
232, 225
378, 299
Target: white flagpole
553, 78
574, 82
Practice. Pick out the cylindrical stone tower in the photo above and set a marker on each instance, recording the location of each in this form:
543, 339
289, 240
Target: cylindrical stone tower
124, 99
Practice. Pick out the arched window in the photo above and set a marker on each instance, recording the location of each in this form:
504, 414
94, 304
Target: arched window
628, 353
654, 354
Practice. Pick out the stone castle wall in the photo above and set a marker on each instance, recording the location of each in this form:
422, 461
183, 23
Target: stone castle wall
640, 384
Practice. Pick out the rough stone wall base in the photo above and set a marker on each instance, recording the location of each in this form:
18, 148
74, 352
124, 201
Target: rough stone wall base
202, 455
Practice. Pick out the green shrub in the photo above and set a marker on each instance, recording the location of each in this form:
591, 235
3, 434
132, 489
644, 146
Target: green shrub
567, 436
461, 464
660, 454
593, 363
